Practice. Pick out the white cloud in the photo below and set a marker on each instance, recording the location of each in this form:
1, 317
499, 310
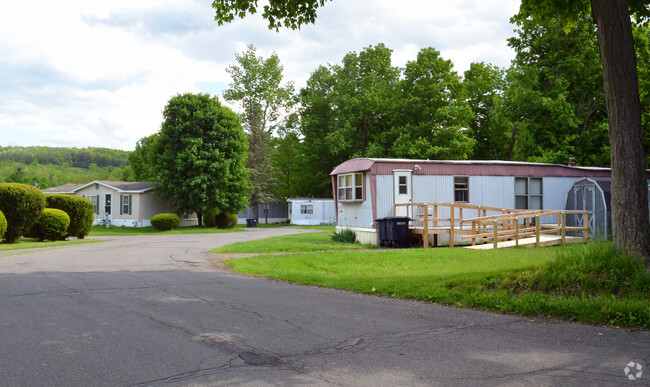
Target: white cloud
80, 73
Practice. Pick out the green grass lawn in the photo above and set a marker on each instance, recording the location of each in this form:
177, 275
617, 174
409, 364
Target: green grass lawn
584, 283
317, 241
113, 230
30, 243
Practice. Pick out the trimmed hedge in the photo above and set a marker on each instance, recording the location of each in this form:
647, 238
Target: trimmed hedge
52, 225
3, 224
225, 220
165, 221
21, 204
80, 210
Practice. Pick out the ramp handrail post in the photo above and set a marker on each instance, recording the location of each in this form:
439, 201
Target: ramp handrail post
496, 233
563, 226
537, 230
452, 224
516, 231
425, 231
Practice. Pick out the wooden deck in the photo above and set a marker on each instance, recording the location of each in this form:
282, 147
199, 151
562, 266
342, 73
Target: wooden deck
490, 227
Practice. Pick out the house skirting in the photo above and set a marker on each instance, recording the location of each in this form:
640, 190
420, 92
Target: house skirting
141, 222
365, 236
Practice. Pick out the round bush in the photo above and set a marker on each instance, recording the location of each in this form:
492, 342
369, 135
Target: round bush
21, 204
80, 210
225, 220
52, 225
210, 218
165, 221
3, 224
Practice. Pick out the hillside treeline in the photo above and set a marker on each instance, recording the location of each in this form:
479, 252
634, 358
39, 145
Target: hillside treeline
49, 167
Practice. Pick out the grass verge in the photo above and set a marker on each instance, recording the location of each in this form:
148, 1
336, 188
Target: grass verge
29, 243
113, 230
317, 241
587, 283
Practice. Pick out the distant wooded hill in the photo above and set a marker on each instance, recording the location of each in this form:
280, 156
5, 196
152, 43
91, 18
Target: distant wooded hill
49, 167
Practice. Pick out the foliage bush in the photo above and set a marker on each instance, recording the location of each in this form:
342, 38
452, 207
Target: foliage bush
210, 218
225, 220
80, 210
165, 221
52, 225
345, 235
21, 204
3, 224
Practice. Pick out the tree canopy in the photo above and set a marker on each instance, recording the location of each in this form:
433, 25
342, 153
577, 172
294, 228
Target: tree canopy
200, 155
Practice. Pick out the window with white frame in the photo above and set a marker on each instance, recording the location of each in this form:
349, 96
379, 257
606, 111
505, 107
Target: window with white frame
306, 209
125, 204
461, 189
350, 187
528, 193
95, 200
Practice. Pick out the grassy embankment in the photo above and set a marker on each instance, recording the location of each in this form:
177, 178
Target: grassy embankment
587, 283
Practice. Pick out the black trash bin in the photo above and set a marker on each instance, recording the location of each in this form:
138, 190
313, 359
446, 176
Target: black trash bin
393, 231
382, 232
251, 222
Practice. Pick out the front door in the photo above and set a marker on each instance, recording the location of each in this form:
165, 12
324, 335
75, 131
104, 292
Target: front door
402, 188
107, 207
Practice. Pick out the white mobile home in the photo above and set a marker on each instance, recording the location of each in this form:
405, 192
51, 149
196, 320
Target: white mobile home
121, 203
310, 211
367, 188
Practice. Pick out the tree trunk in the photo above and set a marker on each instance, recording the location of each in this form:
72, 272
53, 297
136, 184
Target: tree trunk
199, 217
630, 219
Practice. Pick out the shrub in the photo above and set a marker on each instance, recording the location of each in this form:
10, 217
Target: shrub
3, 224
345, 235
210, 218
80, 210
225, 220
52, 225
165, 221
21, 204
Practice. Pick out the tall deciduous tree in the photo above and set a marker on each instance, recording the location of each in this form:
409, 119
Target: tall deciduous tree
556, 93
200, 156
489, 126
431, 114
630, 218
256, 86
142, 159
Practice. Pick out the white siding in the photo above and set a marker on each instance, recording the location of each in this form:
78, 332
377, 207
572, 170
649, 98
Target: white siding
555, 190
385, 194
431, 189
357, 214
492, 191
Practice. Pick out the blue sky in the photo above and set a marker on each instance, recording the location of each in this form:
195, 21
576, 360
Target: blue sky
88, 73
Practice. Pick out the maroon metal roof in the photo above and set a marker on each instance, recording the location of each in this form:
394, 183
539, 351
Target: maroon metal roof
468, 168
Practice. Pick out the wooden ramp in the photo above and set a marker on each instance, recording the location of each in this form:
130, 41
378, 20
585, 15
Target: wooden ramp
491, 227
544, 240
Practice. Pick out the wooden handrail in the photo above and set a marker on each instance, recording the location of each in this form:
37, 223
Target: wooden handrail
505, 225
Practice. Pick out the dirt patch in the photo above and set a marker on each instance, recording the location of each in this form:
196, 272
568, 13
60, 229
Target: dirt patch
215, 261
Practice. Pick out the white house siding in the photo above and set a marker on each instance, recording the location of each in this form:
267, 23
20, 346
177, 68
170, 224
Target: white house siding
385, 196
492, 191
322, 211
357, 214
101, 191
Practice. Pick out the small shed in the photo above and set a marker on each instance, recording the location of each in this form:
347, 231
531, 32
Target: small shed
593, 196
310, 211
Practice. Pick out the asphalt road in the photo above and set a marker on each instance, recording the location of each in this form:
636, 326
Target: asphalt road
148, 311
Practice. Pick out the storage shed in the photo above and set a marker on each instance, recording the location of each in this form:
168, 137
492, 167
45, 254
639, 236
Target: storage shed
593, 196
310, 211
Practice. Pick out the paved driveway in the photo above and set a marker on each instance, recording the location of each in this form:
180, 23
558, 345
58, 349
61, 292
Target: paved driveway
146, 310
